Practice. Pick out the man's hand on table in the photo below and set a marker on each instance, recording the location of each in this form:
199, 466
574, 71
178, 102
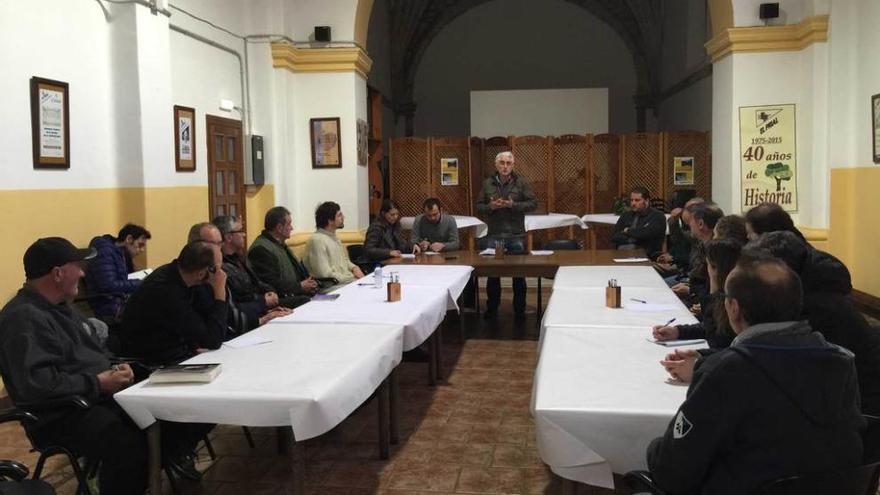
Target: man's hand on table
680, 364
275, 313
115, 379
665, 332
309, 285
357, 272
681, 289
271, 299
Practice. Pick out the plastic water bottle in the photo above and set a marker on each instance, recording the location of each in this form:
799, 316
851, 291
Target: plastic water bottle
377, 276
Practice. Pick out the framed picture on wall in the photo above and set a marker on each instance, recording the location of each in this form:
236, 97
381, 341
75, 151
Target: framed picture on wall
184, 139
326, 142
875, 126
50, 123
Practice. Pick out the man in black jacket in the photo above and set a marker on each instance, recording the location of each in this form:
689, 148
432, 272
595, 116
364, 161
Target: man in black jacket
161, 324
828, 308
254, 298
46, 355
642, 227
748, 418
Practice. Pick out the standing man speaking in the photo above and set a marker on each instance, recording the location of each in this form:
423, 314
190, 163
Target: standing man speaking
504, 200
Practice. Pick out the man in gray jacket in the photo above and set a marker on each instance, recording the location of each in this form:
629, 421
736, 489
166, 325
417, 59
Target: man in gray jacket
504, 200
433, 230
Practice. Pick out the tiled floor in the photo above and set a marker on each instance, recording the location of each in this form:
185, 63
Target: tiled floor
472, 434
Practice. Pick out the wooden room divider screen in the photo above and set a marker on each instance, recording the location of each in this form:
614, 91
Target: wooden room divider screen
574, 174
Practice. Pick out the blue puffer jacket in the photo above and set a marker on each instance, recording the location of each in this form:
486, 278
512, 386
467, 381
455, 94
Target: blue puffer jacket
107, 274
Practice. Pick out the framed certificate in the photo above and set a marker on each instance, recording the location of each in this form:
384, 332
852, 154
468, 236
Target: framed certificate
326, 143
184, 139
50, 123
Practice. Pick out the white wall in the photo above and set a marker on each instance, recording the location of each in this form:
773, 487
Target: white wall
72, 45
854, 78
521, 44
745, 12
550, 112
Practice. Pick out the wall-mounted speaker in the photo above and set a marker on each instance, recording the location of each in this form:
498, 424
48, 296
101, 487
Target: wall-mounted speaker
322, 33
768, 11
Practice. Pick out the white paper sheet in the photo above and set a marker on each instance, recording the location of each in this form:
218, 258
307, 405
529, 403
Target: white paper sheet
677, 343
656, 307
630, 260
538, 252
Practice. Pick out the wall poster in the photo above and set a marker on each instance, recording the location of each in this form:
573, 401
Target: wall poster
326, 142
184, 139
449, 171
683, 170
768, 156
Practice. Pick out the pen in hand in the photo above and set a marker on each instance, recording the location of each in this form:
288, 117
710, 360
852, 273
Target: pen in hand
669, 322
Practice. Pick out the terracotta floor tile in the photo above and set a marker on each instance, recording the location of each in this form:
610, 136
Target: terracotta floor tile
515, 456
490, 481
473, 454
430, 478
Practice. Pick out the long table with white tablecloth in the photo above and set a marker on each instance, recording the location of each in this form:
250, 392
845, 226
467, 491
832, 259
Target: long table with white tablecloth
600, 395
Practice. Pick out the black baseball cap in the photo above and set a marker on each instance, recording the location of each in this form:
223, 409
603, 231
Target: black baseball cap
47, 253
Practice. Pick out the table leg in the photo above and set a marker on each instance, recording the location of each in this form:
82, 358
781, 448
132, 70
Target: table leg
432, 359
540, 303
477, 293
154, 462
283, 436
382, 399
394, 405
297, 484
438, 366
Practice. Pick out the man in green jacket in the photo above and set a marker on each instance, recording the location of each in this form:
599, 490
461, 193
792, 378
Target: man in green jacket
504, 201
274, 263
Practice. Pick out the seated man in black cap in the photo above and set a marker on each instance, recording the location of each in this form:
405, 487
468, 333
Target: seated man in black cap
45, 355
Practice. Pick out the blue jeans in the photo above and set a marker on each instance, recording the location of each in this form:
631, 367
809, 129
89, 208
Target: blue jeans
512, 245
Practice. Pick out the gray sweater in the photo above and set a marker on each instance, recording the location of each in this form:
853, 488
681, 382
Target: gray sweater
445, 231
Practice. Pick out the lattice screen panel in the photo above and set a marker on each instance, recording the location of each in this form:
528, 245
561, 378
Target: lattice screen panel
605, 176
641, 163
688, 144
455, 199
571, 167
476, 168
532, 154
409, 174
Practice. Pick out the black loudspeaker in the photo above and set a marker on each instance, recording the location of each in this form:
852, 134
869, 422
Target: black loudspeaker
259, 174
768, 11
322, 33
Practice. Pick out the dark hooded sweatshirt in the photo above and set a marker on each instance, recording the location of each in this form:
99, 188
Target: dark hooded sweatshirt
780, 401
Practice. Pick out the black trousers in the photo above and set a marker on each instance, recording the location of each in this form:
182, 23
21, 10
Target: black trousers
105, 433
512, 245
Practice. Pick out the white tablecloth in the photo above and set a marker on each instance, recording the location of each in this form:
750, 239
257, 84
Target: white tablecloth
420, 310
461, 221
552, 220
569, 277
600, 397
311, 376
452, 278
610, 219
585, 307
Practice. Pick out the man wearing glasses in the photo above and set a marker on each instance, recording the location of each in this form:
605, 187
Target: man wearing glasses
255, 298
162, 323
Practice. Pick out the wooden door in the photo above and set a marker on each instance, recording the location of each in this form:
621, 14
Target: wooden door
225, 167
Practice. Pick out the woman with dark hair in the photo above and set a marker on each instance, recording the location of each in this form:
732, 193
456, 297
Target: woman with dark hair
721, 258
769, 217
384, 239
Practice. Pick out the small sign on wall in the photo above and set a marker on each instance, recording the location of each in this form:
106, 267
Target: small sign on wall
768, 156
683, 170
50, 123
449, 171
184, 139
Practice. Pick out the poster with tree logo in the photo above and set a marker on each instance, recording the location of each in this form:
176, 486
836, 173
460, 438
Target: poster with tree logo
768, 156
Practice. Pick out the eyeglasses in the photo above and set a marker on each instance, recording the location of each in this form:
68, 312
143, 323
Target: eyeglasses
212, 269
237, 232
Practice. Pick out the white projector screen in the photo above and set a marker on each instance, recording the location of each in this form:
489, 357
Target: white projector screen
542, 112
